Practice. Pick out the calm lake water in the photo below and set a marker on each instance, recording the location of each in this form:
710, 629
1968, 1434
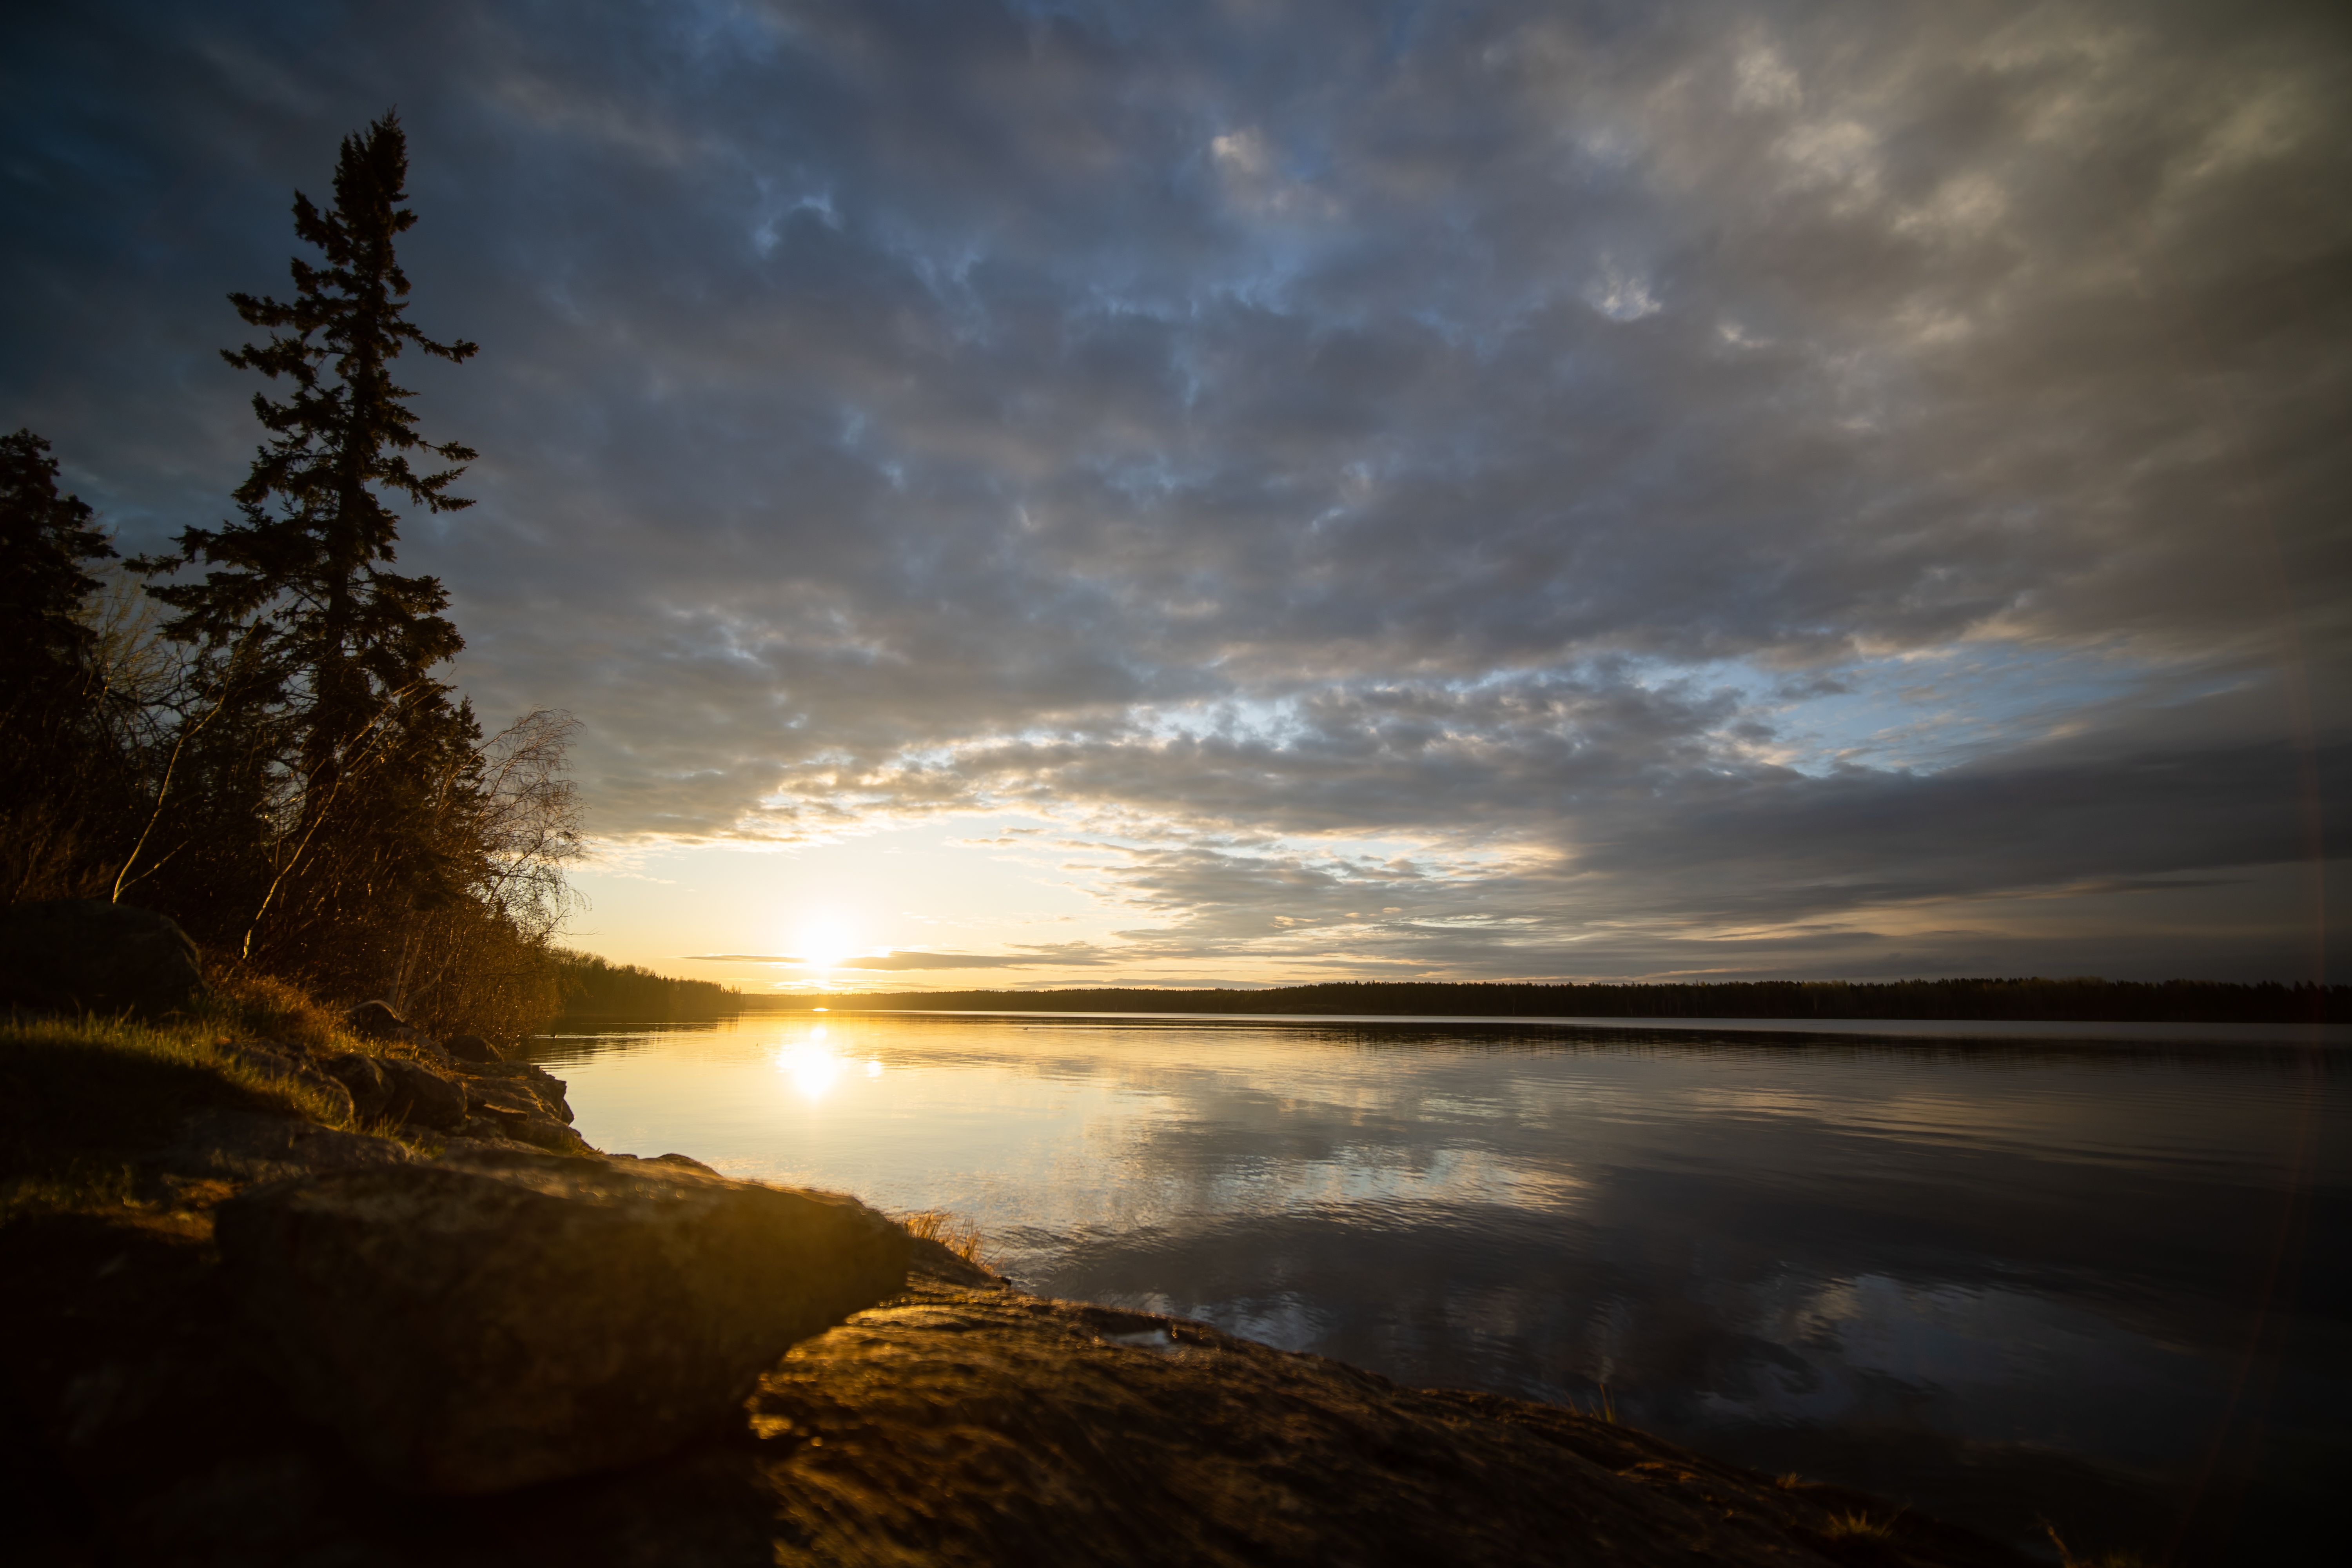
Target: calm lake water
2101, 1283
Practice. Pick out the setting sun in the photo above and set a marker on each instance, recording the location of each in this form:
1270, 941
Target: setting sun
824, 941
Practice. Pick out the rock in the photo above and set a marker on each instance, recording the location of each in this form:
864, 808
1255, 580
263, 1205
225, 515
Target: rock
519, 1112
343, 1106
518, 1115
370, 1092
526, 1078
478, 1133
471, 1049
988, 1426
238, 1145
83, 954
419, 1096
376, 1021
541, 1132
364, 1076
478, 1325
965, 1426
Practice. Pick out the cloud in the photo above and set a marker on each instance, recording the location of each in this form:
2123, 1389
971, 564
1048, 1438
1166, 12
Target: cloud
1651, 479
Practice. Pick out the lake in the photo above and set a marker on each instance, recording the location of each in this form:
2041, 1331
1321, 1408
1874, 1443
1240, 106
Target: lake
2093, 1281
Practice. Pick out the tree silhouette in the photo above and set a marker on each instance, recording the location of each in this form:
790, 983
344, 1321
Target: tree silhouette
44, 538
320, 652
308, 558
56, 763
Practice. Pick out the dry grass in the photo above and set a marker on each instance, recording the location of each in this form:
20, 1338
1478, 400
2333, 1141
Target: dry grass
81, 1099
255, 1007
1862, 1526
950, 1230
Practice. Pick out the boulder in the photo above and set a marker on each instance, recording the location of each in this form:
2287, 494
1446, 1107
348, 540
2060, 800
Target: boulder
527, 1077
380, 1021
542, 1133
376, 1021
419, 1096
278, 1064
363, 1077
471, 1049
480, 1324
241, 1146
518, 1114
84, 954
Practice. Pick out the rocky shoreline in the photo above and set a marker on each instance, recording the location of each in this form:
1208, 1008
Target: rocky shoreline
449, 1331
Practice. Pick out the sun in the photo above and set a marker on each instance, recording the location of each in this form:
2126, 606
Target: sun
824, 941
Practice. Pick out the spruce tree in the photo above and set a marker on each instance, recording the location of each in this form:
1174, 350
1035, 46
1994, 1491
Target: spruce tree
321, 652
308, 558
58, 770
44, 539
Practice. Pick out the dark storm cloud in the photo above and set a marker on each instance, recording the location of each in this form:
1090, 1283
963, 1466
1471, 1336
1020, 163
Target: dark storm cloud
1514, 441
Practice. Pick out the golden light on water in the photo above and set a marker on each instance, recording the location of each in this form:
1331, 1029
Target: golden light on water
812, 1065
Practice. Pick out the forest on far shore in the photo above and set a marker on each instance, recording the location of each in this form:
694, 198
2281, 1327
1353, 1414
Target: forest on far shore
2025, 999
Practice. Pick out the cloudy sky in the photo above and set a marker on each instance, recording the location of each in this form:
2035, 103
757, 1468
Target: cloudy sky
1072, 493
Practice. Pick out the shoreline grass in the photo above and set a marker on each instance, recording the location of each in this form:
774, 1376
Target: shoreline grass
950, 1230
83, 1097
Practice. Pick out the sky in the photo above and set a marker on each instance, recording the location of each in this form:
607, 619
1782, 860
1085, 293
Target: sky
1251, 493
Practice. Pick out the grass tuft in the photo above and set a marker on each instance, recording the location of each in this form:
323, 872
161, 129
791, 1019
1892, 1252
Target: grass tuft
259, 1008
2116, 1558
958, 1235
1858, 1526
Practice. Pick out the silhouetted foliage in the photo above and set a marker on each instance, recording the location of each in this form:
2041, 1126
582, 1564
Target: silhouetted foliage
342, 816
284, 771
341, 641
2025, 999
61, 783
44, 539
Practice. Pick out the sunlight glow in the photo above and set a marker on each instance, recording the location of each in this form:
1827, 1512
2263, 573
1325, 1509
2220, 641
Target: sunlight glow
824, 941
811, 1067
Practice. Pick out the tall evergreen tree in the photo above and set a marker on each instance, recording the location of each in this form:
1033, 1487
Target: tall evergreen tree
314, 642
55, 761
308, 558
45, 540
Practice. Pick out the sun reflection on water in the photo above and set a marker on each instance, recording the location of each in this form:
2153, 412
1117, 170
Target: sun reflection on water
811, 1066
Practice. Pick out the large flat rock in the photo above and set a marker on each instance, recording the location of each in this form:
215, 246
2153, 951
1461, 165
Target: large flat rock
963, 1426
480, 1324
957, 1423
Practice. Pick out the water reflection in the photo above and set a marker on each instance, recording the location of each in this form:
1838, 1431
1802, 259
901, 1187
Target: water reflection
811, 1067
2001, 1282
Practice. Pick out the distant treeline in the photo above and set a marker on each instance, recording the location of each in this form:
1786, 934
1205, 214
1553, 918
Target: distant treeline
2087, 1000
592, 988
